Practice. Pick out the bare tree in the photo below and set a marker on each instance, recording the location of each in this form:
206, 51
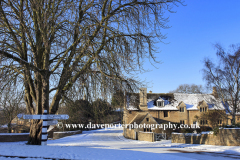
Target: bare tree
11, 102
225, 76
51, 44
101, 110
117, 100
189, 88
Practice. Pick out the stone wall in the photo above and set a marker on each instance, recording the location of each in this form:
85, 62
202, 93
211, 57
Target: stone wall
57, 135
131, 134
146, 136
13, 137
225, 137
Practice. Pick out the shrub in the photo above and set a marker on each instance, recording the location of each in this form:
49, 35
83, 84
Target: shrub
215, 131
205, 128
237, 124
187, 130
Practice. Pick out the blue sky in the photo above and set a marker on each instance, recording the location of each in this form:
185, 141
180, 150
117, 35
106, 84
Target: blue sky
195, 28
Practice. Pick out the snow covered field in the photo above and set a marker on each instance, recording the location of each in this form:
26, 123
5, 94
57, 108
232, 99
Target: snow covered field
111, 145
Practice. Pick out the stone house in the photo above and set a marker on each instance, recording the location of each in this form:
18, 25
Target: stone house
161, 108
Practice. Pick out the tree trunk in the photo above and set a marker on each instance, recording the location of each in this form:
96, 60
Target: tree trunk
35, 132
36, 125
233, 119
9, 127
234, 113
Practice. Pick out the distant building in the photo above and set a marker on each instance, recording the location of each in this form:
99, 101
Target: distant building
181, 108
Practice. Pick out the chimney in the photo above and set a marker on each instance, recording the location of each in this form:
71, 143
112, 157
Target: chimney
150, 91
214, 92
143, 99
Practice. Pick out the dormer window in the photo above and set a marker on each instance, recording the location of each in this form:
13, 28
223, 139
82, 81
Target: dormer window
181, 109
160, 102
203, 109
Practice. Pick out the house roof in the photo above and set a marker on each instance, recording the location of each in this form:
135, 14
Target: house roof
138, 118
192, 101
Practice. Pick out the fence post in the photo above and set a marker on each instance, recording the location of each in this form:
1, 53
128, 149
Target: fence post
44, 129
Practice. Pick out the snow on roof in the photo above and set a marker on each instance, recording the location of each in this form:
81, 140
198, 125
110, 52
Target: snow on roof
131, 108
190, 100
168, 106
189, 106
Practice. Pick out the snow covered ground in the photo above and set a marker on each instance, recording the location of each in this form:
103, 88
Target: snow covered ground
110, 144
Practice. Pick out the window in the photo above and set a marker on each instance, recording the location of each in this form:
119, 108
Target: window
181, 109
194, 122
203, 109
160, 103
182, 122
203, 122
219, 121
147, 119
165, 113
147, 130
